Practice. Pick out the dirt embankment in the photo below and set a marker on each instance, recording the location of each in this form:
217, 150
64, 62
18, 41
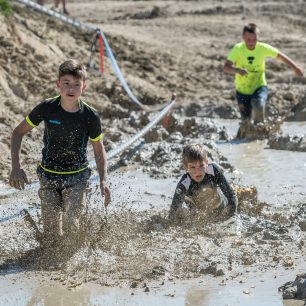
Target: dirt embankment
161, 47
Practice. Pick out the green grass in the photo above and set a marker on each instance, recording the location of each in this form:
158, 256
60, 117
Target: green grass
6, 8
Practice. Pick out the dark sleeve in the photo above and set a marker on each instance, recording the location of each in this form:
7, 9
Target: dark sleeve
178, 200
225, 187
95, 130
36, 116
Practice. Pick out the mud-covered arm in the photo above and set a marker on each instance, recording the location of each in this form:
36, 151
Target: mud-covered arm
230, 68
101, 162
290, 63
226, 188
178, 200
18, 177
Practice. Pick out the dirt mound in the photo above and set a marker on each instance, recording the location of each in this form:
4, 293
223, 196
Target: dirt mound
32, 47
288, 142
295, 289
161, 49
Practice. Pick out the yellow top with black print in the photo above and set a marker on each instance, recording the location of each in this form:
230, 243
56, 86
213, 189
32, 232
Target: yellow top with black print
254, 62
66, 135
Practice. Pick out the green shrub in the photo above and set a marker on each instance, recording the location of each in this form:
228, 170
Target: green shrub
6, 8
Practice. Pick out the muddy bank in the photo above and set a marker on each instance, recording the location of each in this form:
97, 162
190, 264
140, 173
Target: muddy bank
288, 142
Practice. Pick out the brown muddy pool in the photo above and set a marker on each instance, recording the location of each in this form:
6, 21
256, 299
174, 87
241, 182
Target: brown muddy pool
256, 255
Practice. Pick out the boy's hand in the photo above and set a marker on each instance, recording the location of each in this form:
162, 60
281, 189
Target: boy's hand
241, 71
298, 71
18, 179
232, 211
105, 191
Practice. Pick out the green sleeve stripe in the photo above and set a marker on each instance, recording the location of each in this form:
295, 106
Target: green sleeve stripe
55, 97
88, 105
30, 122
97, 138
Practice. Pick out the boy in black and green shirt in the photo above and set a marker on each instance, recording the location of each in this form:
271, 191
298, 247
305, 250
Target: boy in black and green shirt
64, 170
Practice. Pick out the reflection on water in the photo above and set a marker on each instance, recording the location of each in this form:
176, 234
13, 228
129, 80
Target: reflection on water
253, 290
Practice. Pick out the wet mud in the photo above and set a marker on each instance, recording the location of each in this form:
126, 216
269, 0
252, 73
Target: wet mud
141, 250
133, 245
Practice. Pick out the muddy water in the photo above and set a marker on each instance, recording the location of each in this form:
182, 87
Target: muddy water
255, 255
278, 175
253, 290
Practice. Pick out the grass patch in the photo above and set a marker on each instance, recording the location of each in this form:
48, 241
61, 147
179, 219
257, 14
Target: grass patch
6, 8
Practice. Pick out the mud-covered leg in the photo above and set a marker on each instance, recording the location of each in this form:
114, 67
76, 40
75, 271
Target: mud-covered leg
258, 103
244, 104
74, 200
258, 110
51, 215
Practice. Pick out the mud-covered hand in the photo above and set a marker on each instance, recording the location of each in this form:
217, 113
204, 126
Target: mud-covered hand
241, 71
18, 179
298, 71
105, 192
231, 211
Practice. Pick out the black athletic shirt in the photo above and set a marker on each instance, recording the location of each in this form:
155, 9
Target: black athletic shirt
214, 177
66, 135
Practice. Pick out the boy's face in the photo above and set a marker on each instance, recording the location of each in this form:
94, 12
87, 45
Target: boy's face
196, 170
250, 40
70, 87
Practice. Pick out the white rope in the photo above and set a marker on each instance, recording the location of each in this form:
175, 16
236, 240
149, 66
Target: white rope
108, 50
60, 16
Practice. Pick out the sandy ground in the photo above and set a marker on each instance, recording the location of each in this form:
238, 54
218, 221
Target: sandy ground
161, 47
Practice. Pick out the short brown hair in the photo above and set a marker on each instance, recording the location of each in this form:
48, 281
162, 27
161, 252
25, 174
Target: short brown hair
250, 28
193, 153
74, 68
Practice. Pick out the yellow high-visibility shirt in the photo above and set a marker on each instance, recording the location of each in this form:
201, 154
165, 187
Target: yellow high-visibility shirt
254, 62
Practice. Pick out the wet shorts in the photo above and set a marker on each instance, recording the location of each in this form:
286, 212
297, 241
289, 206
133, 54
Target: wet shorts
57, 189
246, 102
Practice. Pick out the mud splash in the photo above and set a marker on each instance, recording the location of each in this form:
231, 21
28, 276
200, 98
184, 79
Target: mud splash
134, 247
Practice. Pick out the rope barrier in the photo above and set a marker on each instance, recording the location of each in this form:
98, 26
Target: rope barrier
118, 73
57, 15
142, 132
108, 50
120, 148
101, 47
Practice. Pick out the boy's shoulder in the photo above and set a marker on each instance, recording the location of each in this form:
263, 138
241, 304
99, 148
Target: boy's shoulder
239, 46
214, 168
263, 45
88, 109
48, 104
185, 181
52, 100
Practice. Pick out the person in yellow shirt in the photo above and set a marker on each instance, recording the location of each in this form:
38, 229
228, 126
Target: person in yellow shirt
246, 61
